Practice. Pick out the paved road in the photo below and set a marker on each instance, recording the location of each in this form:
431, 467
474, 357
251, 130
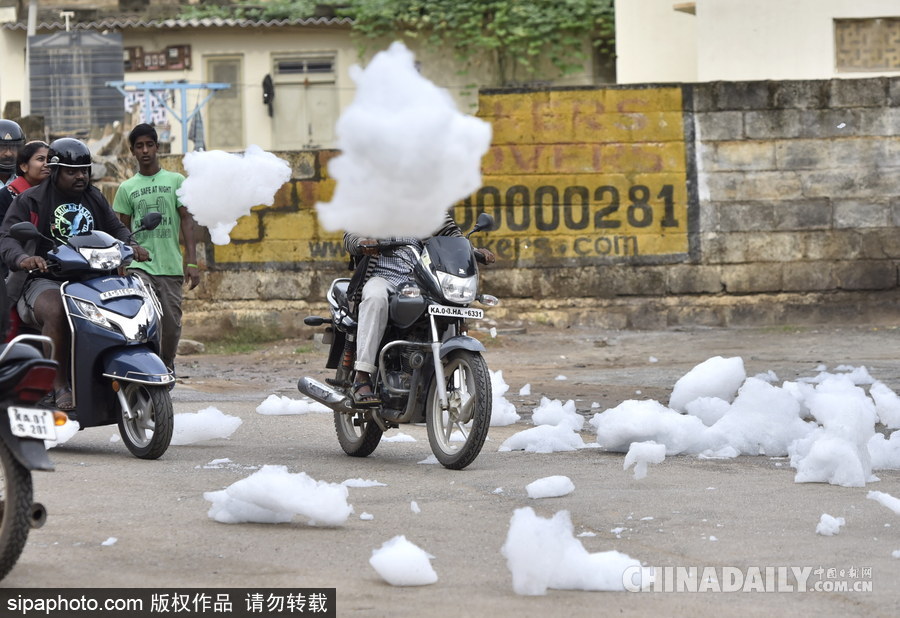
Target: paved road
744, 513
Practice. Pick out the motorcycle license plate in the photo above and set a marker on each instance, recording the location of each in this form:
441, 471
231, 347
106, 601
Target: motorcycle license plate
32, 423
456, 312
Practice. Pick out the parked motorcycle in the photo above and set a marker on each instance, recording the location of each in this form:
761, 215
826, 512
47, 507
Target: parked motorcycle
116, 373
26, 377
428, 366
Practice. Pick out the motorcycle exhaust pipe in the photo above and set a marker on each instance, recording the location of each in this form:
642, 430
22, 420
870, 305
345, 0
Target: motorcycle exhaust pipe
324, 394
38, 515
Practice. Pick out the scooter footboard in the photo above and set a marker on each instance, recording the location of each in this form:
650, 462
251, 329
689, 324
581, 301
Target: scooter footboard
136, 364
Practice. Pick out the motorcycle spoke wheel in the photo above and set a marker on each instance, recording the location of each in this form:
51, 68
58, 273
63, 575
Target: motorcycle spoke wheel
357, 433
15, 509
457, 434
148, 431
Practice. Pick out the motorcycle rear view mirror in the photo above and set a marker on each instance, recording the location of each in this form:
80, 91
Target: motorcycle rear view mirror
150, 221
25, 231
484, 222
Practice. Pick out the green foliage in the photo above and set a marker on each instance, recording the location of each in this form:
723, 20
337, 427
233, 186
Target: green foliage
267, 10
518, 35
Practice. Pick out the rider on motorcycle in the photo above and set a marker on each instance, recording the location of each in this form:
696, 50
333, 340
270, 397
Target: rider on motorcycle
63, 205
11, 141
381, 274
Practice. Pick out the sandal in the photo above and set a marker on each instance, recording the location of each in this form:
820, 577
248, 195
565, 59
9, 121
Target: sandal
64, 399
364, 400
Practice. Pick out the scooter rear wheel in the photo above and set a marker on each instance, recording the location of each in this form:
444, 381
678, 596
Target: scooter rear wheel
15, 509
148, 432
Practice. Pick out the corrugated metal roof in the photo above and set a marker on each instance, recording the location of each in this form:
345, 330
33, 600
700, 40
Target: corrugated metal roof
122, 23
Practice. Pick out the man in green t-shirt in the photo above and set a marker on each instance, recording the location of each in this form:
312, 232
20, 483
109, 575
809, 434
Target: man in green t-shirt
154, 189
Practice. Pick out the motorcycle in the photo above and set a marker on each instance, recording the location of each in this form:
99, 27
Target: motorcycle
26, 377
428, 366
116, 373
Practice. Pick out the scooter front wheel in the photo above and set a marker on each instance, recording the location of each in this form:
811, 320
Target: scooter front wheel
15, 509
147, 423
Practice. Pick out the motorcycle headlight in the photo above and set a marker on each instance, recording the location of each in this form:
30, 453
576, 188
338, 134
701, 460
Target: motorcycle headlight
461, 290
92, 313
102, 259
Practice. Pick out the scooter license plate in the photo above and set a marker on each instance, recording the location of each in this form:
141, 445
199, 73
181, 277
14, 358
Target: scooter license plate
456, 312
32, 423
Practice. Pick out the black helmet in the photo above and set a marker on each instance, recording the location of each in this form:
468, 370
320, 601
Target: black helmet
68, 152
11, 135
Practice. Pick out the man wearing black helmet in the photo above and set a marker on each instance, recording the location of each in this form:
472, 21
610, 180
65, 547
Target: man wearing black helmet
11, 140
63, 205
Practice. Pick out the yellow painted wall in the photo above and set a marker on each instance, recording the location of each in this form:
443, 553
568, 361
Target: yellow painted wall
578, 174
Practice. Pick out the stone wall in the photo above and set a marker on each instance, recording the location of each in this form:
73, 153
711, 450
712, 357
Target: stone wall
712, 204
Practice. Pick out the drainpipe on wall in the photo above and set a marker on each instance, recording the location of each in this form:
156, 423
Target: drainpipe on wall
32, 28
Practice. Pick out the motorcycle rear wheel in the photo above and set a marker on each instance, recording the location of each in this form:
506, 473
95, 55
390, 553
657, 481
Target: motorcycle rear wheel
357, 440
457, 435
15, 509
149, 433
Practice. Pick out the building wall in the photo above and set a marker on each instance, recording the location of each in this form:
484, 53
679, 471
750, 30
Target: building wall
633, 207
736, 40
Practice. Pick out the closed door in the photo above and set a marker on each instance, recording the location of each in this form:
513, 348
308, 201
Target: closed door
225, 110
305, 107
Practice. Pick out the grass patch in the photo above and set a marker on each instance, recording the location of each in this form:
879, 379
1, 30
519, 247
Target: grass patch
305, 349
242, 341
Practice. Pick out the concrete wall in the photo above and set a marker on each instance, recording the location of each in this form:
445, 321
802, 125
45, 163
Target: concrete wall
633, 207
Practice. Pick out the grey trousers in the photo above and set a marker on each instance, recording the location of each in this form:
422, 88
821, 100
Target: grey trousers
373, 317
169, 290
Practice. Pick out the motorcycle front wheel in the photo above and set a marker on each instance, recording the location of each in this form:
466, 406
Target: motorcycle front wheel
357, 433
147, 431
457, 434
15, 509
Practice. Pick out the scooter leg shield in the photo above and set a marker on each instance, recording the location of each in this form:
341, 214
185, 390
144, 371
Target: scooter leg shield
136, 364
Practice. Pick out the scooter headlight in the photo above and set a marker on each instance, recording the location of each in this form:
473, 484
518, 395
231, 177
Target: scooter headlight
106, 258
92, 313
459, 290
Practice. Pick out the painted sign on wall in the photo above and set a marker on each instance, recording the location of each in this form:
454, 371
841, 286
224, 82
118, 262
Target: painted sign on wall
577, 175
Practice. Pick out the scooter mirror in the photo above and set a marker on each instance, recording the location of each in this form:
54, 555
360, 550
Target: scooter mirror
484, 222
150, 221
24, 231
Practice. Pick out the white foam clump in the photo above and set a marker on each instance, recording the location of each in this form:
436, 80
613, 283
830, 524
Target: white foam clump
885, 500
887, 405
401, 562
715, 377
207, 424
554, 412
828, 525
407, 153
837, 451
63, 434
279, 405
544, 553
642, 453
216, 191
503, 412
648, 420
273, 495
550, 487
